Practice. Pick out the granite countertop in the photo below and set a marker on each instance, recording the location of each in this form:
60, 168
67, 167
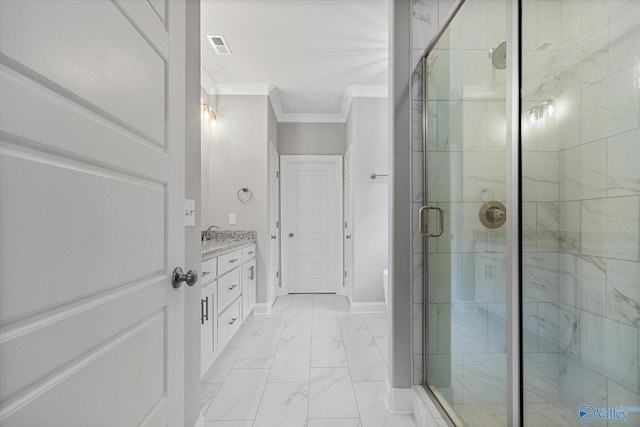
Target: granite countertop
225, 241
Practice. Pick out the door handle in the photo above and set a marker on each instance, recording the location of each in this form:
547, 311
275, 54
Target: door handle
178, 276
424, 210
348, 236
273, 236
290, 234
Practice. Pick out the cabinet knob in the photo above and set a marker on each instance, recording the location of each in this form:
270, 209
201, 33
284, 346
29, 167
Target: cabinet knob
290, 234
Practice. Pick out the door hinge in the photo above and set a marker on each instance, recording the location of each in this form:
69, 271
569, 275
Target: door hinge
345, 273
277, 174
277, 274
345, 224
277, 224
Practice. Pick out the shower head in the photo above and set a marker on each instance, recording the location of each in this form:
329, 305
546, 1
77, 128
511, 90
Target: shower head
498, 56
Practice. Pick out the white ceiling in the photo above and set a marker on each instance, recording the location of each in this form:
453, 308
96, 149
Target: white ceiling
310, 50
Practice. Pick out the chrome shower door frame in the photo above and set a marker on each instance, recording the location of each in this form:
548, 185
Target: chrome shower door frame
514, 228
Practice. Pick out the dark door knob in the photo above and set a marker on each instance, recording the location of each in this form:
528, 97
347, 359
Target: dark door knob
179, 276
290, 234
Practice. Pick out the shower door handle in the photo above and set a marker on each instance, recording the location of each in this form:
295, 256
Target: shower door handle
424, 210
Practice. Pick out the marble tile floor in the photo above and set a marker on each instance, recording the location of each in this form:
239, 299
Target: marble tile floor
310, 363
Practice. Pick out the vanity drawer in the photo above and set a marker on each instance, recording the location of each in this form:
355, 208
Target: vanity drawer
209, 270
229, 322
248, 253
228, 289
228, 261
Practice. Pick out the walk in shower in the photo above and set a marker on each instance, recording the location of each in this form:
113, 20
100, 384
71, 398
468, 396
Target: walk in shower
566, 178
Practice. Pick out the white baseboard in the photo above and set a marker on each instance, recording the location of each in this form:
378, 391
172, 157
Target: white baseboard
263, 308
399, 401
368, 307
200, 421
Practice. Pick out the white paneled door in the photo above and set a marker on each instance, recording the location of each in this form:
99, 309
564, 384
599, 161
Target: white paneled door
274, 223
92, 128
311, 195
348, 226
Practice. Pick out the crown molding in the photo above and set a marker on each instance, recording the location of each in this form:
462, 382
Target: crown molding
206, 82
282, 117
368, 91
255, 89
355, 91
267, 89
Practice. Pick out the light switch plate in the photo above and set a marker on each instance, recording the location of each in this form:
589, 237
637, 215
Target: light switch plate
189, 213
232, 219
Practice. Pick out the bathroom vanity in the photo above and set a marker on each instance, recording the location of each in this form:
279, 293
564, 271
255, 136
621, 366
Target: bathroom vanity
228, 291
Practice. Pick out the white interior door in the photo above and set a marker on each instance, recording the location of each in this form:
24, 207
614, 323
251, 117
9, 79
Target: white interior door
92, 127
311, 194
348, 226
274, 220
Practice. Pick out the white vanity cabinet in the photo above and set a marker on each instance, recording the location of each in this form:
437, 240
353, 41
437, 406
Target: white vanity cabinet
228, 297
248, 288
208, 319
229, 322
229, 261
207, 330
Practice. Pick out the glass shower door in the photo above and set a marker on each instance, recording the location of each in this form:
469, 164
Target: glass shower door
463, 217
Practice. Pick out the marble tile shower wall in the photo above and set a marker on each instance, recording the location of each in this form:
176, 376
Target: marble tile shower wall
581, 189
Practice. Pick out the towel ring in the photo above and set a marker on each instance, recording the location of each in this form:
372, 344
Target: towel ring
245, 195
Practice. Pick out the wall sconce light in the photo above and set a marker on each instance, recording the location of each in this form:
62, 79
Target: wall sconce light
540, 113
208, 115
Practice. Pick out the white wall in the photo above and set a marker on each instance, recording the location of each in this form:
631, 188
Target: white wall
238, 157
311, 138
367, 135
400, 229
272, 212
206, 135
273, 128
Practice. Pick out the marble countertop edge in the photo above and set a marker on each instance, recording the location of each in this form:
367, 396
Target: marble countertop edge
220, 248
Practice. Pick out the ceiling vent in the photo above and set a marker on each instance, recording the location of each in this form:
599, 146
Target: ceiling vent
220, 45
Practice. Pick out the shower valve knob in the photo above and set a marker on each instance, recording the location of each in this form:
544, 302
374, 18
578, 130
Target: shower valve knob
493, 214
